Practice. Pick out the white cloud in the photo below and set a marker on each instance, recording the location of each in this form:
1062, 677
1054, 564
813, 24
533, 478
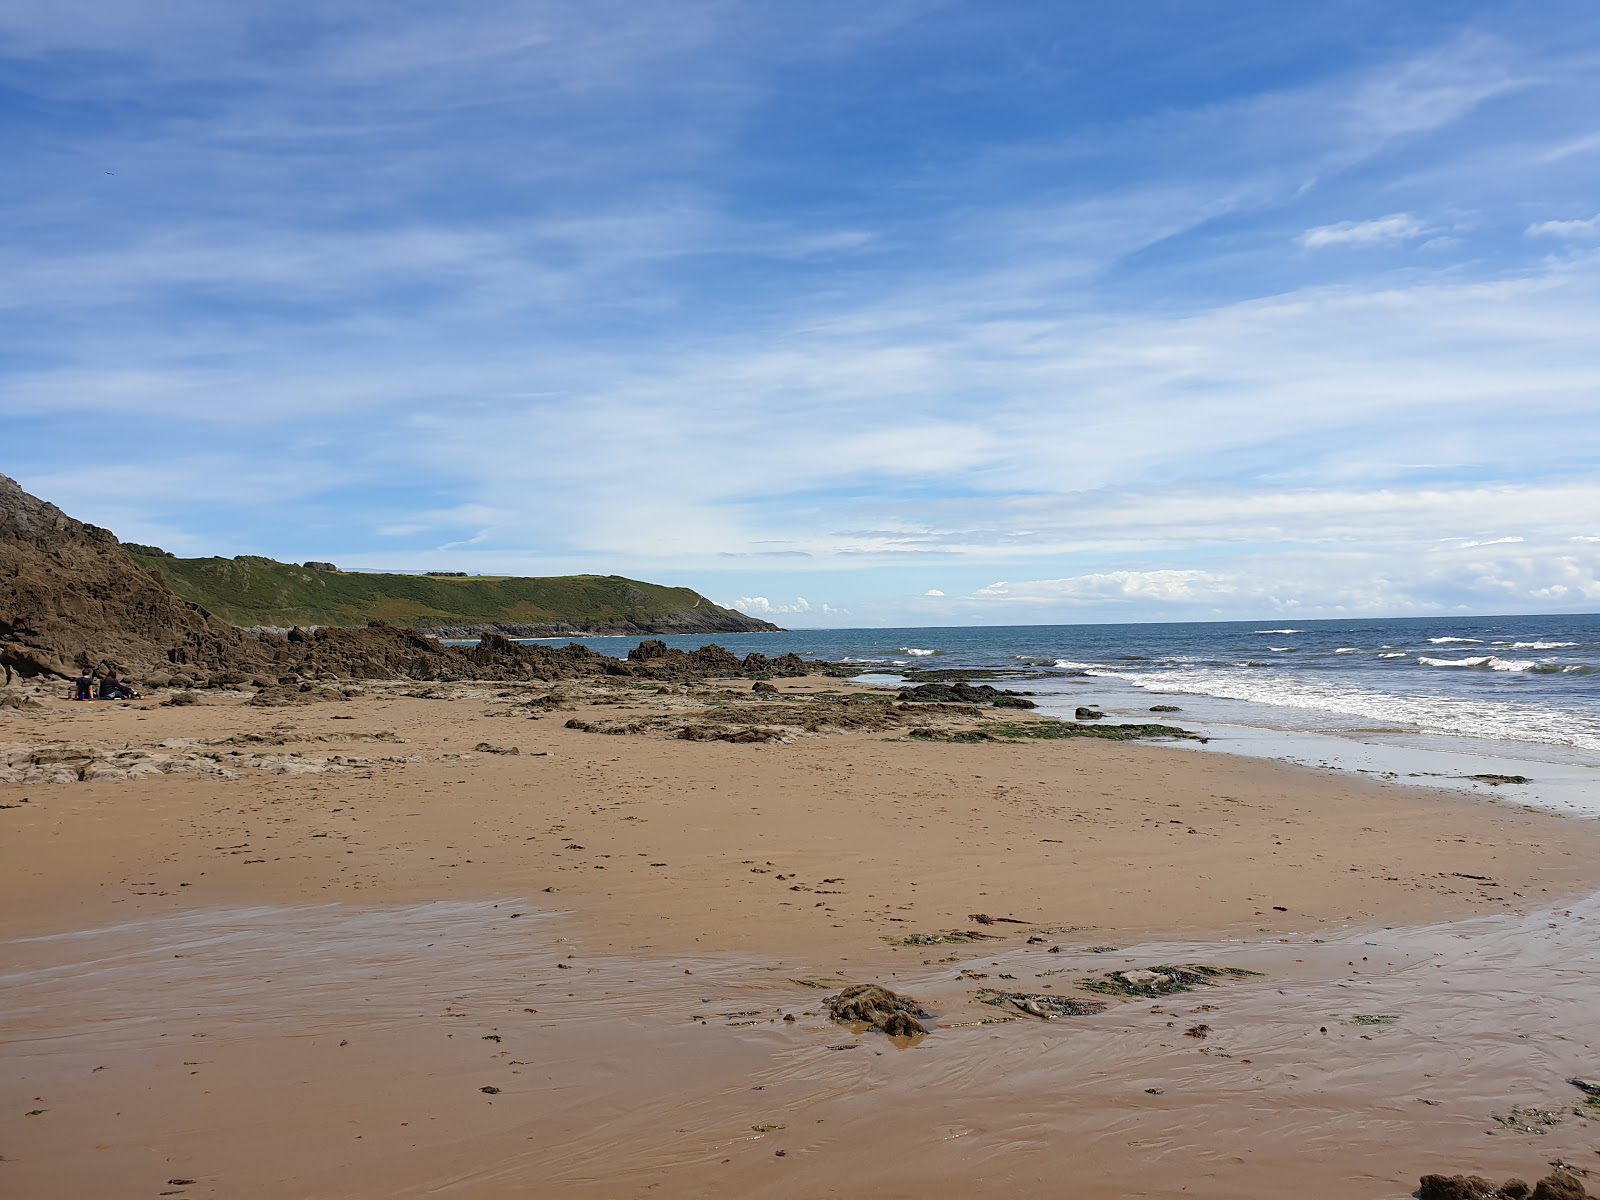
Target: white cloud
933, 592
1167, 587
1566, 229
1398, 227
760, 604
1473, 576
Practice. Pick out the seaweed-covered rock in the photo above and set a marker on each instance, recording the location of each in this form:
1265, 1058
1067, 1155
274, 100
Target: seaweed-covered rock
870, 1004
1560, 1185
1456, 1187
1042, 1004
1085, 713
962, 692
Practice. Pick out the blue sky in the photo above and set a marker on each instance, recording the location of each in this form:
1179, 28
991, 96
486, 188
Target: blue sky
903, 313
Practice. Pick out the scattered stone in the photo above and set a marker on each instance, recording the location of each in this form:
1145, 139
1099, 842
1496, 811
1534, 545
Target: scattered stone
1084, 713
486, 748
986, 919
178, 699
1201, 1031
1165, 708
490, 1090
1586, 1087
878, 1007
764, 688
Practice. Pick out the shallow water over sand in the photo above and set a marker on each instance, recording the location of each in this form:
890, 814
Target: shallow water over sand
333, 1051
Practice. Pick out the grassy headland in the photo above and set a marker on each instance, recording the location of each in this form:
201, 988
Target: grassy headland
253, 591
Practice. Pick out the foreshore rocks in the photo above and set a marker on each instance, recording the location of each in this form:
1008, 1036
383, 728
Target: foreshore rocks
1558, 1185
962, 692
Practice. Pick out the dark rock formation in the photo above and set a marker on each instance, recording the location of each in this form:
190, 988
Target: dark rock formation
962, 692
1558, 1185
71, 597
1088, 714
322, 566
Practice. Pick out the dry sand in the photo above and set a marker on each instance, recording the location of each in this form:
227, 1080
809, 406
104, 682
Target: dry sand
178, 1009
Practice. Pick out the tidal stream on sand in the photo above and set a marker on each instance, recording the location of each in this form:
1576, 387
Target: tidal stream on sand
457, 1049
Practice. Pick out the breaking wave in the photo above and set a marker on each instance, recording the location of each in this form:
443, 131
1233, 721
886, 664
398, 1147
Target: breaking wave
1489, 661
1455, 641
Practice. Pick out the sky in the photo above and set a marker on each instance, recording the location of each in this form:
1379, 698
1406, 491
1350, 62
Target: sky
907, 313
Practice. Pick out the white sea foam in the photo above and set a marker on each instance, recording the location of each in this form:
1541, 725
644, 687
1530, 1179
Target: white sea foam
1280, 631
1487, 660
915, 652
1459, 716
1395, 654
1455, 641
1281, 649
1539, 645
1066, 664
1349, 650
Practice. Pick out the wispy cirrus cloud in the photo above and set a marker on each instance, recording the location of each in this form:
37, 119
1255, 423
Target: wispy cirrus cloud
1382, 231
638, 288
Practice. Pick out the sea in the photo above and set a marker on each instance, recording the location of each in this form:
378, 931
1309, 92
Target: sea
1423, 699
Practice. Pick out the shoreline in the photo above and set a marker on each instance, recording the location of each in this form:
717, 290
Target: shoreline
299, 982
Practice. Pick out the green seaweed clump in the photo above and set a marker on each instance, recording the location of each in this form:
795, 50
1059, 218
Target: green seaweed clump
1042, 1005
1162, 980
940, 939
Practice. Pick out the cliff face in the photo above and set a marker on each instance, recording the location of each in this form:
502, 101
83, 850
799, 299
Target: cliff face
72, 597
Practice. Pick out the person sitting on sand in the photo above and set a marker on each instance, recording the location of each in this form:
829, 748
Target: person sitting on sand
85, 685
112, 688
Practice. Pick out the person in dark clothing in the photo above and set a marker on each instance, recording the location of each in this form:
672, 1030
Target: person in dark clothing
112, 688
85, 685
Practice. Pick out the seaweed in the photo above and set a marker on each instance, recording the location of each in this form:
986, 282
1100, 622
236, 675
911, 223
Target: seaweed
1041, 1005
940, 939
878, 1007
1004, 731
1163, 980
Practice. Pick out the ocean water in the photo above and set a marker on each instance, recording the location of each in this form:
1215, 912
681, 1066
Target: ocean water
1518, 688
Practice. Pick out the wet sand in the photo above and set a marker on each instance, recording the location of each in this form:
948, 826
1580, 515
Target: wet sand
211, 943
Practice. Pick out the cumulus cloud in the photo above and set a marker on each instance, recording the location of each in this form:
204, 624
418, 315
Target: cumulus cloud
933, 592
760, 604
1397, 227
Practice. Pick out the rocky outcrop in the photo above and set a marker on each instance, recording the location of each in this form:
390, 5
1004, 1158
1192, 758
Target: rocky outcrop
71, 597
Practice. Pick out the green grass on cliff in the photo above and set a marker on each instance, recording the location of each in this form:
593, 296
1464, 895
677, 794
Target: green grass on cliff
258, 591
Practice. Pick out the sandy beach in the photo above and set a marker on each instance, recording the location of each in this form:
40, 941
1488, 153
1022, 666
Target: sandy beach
300, 980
